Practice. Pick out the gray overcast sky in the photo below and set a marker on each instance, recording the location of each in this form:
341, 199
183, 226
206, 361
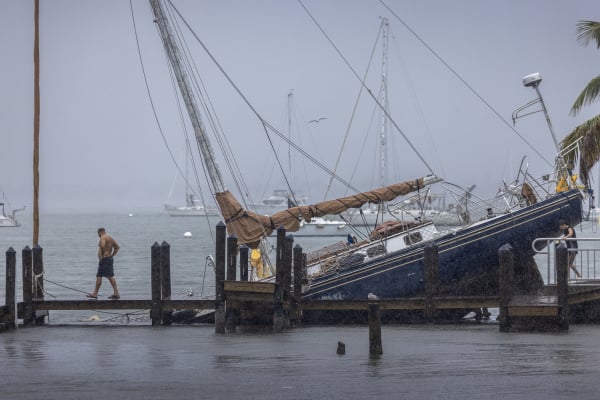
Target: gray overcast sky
101, 148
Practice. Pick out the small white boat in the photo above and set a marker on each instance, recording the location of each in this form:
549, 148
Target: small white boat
193, 208
319, 226
8, 220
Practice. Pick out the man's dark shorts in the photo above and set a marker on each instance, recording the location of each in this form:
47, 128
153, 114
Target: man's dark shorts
105, 267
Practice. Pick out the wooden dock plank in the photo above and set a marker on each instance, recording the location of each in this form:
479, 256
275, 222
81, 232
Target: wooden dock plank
413, 303
250, 287
121, 304
533, 311
584, 296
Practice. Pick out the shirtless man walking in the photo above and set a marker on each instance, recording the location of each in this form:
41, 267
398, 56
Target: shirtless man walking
107, 249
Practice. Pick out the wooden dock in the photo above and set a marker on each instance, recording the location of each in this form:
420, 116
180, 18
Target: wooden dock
278, 304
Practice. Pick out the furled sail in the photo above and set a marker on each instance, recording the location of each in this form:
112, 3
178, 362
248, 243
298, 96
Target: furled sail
250, 227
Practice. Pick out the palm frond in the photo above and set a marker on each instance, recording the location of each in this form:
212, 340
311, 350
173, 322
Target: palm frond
589, 94
589, 147
588, 31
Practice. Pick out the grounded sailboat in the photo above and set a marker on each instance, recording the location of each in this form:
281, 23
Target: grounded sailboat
390, 261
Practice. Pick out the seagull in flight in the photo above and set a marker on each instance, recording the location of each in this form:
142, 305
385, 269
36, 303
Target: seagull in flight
316, 120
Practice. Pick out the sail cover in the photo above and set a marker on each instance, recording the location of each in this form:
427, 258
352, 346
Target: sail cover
250, 227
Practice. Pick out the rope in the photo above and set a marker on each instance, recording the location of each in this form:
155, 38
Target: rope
40, 286
460, 78
64, 286
345, 60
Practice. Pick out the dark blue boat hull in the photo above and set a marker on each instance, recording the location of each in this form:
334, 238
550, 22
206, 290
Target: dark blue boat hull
468, 258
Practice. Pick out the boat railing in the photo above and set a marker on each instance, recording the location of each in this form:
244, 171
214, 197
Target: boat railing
587, 259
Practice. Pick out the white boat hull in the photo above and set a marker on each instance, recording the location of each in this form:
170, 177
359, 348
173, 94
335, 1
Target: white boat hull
6, 222
191, 212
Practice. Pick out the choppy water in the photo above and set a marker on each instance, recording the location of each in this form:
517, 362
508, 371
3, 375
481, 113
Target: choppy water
134, 360
419, 362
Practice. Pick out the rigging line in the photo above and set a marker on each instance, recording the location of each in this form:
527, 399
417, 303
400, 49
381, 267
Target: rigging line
360, 90
187, 64
417, 103
162, 134
488, 105
314, 160
245, 99
368, 90
210, 110
66, 287
191, 74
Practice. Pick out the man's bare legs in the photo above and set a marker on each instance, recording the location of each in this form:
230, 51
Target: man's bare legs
113, 283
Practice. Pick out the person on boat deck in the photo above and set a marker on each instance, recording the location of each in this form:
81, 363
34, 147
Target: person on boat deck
569, 232
350, 240
257, 264
107, 249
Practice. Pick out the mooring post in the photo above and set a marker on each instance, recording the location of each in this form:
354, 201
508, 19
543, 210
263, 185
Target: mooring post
165, 281
431, 274
38, 283
562, 286
296, 301
26, 259
506, 285
230, 311
155, 261
221, 233
375, 346
11, 286
278, 318
244, 251
287, 279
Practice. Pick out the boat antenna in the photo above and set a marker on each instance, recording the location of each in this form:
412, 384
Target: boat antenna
362, 82
534, 80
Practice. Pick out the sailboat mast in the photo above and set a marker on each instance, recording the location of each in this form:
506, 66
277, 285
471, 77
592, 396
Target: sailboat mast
289, 105
173, 52
384, 105
36, 124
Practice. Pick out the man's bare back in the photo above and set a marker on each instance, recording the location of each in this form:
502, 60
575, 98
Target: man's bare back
107, 246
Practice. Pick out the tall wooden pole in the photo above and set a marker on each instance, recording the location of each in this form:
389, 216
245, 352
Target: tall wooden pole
36, 124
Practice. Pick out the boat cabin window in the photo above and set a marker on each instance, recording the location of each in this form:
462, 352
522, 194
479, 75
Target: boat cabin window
412, 238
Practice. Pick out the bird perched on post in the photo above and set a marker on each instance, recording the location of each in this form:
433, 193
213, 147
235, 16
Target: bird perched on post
372, 296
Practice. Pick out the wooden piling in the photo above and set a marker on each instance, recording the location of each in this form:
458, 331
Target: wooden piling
287, 279
296, 300
431, 278
27, 267
165, 281
155, 265
10, 319
506, 284
38, 283
375, 346
230, 310
278, 317
244, 251
221, 233
562, 288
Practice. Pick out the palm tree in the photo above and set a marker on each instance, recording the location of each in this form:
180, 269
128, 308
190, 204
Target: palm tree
589, 131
